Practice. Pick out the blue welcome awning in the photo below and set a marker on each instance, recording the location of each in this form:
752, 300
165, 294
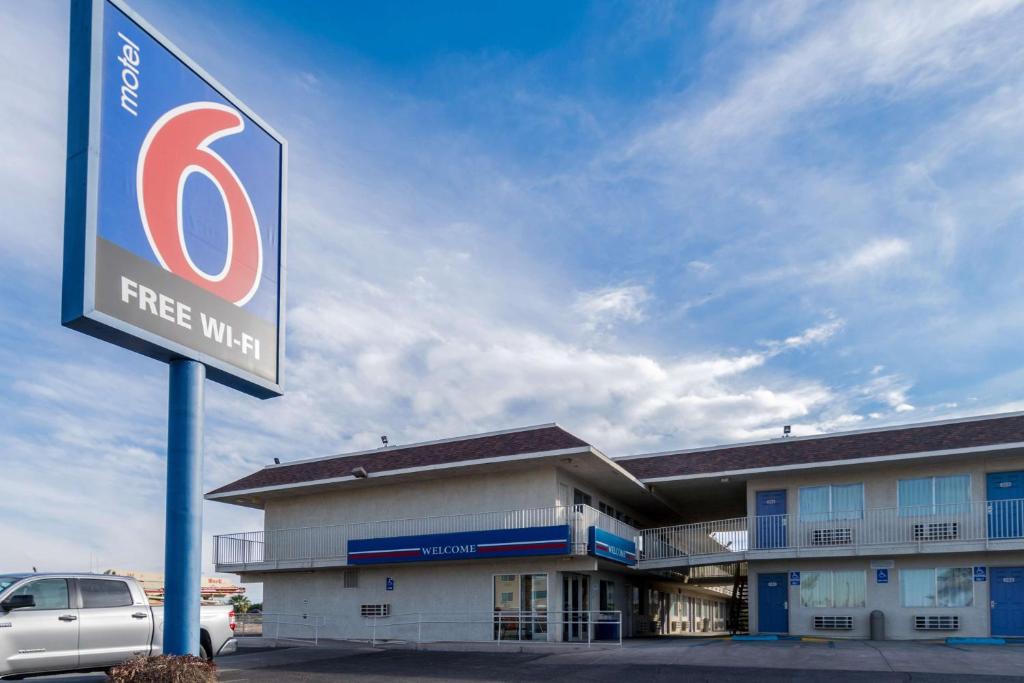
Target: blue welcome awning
465, 545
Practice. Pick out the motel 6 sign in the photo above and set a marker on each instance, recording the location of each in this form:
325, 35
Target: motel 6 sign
175, 209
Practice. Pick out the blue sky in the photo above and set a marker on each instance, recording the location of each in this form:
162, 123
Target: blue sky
661, 225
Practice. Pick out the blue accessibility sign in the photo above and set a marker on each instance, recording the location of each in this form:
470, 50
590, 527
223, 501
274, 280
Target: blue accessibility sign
981, 574
794, 578
389, 584
881, 576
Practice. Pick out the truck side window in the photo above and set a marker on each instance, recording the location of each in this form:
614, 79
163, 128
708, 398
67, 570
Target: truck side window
48, 593
104, 593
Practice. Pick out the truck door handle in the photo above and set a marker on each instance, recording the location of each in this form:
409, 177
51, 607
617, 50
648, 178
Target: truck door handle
139, 615
68, 617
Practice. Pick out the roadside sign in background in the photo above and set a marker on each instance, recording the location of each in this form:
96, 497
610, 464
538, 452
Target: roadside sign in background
175, 208
794, 578
881, 576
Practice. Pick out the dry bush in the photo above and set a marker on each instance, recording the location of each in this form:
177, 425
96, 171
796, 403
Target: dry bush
165, 669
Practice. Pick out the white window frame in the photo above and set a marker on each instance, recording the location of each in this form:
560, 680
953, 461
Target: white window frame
831, 511
832, 588
932, 505
935, 588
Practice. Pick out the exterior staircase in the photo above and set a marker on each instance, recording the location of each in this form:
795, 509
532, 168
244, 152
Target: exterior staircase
739, 612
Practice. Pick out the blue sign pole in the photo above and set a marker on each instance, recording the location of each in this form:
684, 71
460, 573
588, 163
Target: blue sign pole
183, 549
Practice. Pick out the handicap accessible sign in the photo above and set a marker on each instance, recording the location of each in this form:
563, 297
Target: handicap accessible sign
881, 576
981, 574
794, 578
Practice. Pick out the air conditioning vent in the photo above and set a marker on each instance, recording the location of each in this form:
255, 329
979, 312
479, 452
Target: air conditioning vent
937, 531
832, 622
350, 578
937, 622
831, 536
382, 610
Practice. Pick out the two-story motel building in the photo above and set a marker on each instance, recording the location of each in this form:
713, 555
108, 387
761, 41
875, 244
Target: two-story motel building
534, 534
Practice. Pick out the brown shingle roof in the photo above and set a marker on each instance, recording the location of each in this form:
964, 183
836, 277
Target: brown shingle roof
972, 433
519, 442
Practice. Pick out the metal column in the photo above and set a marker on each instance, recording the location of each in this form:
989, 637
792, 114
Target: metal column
183, 548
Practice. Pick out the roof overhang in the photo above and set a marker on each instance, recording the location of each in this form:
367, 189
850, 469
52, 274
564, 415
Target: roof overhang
587, 460
848, 462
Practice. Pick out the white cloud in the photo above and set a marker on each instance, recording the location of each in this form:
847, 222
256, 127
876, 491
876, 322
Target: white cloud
890, 390
874, 255
903, 48
603, 308
818, 334
418, 309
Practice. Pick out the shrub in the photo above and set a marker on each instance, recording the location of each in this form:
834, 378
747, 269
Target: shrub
165, 669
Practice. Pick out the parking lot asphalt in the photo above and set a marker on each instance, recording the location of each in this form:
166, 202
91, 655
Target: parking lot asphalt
649, 661
641, 660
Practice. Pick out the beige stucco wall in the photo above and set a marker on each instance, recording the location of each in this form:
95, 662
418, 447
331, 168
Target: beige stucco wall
453, 494
886, 597
880, 479
455, 600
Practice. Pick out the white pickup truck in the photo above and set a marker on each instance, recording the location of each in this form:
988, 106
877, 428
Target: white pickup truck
53, 623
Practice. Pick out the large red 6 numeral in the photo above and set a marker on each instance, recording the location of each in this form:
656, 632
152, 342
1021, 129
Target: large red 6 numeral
176, 147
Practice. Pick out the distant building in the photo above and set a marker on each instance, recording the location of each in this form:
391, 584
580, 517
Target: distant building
212, 588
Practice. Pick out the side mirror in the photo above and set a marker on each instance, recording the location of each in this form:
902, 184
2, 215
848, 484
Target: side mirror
18, 602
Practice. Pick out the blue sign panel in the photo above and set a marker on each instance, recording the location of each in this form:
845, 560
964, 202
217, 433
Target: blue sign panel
175, 210
389, 584
881, 576
604, 544
794, 578
981, 574
465, 545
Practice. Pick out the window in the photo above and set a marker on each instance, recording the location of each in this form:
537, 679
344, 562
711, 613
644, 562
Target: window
607, 597
950, 587
842, 589
580, 498
506, 588
934, 495
98, 593
526, 597
48, 593
611, 511
822, 503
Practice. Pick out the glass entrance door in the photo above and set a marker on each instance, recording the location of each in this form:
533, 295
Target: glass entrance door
575, 607
521, 607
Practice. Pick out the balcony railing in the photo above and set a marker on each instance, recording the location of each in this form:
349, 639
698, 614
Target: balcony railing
328, 544
895, 526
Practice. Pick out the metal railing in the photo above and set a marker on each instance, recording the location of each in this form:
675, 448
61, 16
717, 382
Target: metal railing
330, 542
590, 627
280, 626
891, 526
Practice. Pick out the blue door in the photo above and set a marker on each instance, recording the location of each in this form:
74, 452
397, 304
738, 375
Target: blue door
1007, 594
1006, 504
771, 519
772, 603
